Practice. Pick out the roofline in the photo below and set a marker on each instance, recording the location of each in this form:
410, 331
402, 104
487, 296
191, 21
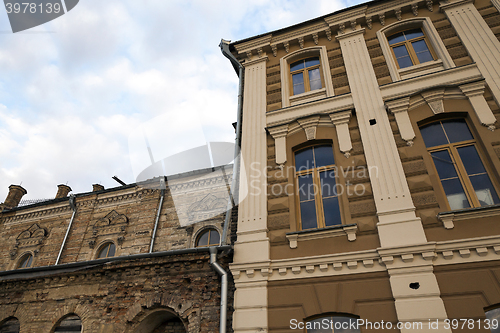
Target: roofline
306, 22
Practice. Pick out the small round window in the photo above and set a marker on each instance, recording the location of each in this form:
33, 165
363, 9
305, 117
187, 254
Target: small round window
107, 250
26, 261
209, 237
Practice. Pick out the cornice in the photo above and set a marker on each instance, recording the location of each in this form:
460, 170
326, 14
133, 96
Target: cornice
444, 5
376, 260
323, 106
346, 16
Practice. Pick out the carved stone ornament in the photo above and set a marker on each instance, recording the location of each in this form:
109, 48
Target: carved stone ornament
414, 9
301, 42
328, 33
353, 24
381, 17
110, 225
429, 5
287, 46
208, 207
275, 49
31, 238
397, 11
369, 22
315, 37
341, 28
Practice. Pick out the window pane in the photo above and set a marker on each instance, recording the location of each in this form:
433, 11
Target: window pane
433, 135
484, 189
405, 62
304, 160
400, 51
470, 159
455, 194
422, 51
203, 240
328, 188
457, 130
399, 37
214, 237
298, 89
306, 187
332, 211
104, 251
494, 314
111, 252
444, 164
297, 65
312, 62
414, 33
308, 214
298, 83
324, 156
314, 79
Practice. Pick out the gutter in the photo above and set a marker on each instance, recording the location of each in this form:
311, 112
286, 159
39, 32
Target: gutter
233, 199
73, 206
73, 266
223, 288
162, 186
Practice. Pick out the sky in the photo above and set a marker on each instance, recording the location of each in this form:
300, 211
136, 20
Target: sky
77, 93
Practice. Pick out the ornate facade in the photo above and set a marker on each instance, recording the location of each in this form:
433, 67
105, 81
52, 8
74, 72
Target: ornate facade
370, 135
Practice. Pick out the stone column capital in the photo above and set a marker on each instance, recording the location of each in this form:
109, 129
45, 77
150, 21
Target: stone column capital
398, 105
473, 89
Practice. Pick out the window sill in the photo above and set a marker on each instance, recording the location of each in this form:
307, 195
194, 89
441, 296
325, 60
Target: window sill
308, 96
421, 69
448, 218
338, 230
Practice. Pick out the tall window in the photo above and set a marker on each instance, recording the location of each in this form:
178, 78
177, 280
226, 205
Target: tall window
70, 324
26, 261
463, 175
306, 75
209, 237
410, 48
107, 250
317, 188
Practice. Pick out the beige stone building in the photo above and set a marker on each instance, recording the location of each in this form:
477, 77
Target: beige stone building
145, 257
372, 158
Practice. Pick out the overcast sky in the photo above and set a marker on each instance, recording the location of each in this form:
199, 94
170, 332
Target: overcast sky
75, 91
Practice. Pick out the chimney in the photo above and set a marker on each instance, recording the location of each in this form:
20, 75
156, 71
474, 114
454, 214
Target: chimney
16, 192
62, 191
97, 187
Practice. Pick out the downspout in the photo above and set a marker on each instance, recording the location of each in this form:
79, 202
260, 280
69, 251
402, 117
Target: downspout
162, 186
223, 288
73, 206
233, 199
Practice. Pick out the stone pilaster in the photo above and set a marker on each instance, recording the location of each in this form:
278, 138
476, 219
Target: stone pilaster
475, 93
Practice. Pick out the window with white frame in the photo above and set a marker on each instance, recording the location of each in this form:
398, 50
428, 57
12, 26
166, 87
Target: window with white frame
412, 48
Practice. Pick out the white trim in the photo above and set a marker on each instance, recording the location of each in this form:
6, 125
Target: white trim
347, 230
444, 60
286, 99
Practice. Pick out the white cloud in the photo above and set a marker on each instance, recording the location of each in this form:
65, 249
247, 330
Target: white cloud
71, 96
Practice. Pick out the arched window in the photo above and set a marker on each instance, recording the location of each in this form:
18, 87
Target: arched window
317, 187
26, 261
332, 324
306, 75
410, 47
464, 178
107, 250
209, 237
70, 324
11, 325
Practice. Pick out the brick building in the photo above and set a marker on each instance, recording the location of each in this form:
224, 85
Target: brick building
370, 135
135, 258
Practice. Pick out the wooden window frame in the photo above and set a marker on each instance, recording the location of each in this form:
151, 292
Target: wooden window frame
409, 47
22, 259
469, 191
318, 199
305, 74
101, 248
204, 231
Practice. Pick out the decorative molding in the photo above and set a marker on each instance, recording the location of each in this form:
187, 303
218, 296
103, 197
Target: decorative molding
328, 32
341, 122
341, 29
206, 208
434, 99
31, 238
448, 218
381, 18
301, 42
315, 38
274, 48
414, 8
111, 224
475, 92
397, 11
309, 125
369, 22
279, 134
340, 230
399, 108
286, 45
429, 4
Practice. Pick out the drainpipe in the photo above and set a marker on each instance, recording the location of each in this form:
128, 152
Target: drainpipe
73, 206
233, 199
162, 186
223, 288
